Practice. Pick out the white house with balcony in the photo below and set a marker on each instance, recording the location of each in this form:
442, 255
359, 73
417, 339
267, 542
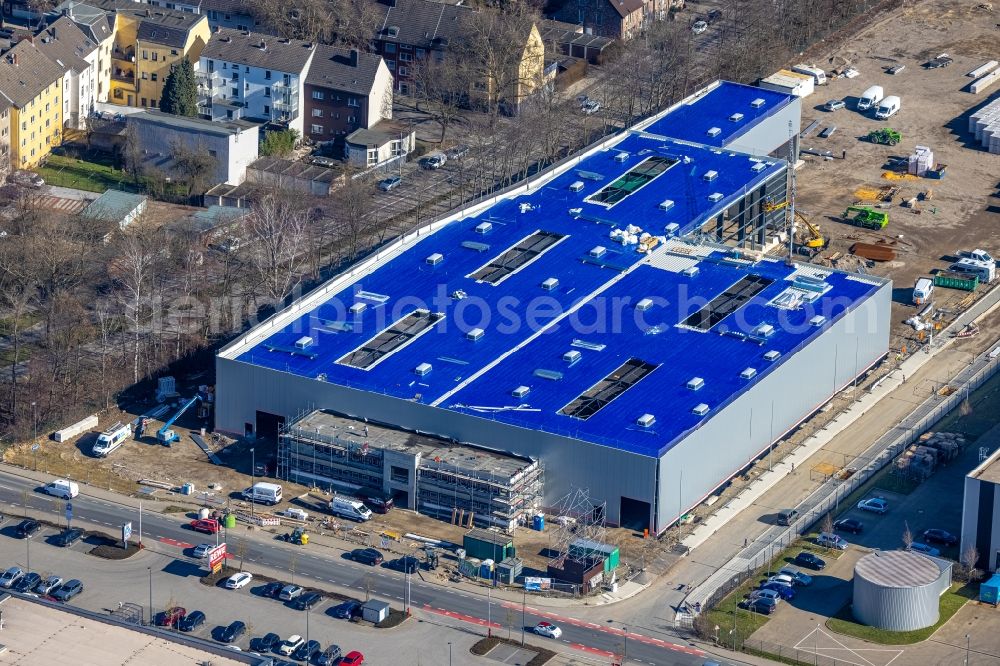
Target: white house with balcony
255, 77
66, 45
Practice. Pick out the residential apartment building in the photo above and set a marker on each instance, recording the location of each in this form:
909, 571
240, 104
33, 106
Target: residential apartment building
618, 19
229, 14
345, 90
5, 113
98, 26
33, 85
410, 30
67, 45
257, 77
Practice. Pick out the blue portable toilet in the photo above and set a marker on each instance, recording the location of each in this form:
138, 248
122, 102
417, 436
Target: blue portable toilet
538, 522
989, 592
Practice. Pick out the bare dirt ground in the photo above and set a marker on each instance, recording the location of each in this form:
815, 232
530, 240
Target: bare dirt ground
934, 113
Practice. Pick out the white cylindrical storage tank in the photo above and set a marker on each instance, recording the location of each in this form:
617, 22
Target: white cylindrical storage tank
203, 513
899, 590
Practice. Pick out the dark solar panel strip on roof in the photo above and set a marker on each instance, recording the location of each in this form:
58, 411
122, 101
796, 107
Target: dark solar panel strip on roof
601, 394
391, 339
727, 302
517, 257
631, 181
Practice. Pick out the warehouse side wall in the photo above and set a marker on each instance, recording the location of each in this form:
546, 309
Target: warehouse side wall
980, 509
737, 434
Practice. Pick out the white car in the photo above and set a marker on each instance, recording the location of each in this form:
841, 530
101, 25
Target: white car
874, 504
782, 579
201, 550
239, 580
290, 645
699, 27
548, 630
797, 576
590, 107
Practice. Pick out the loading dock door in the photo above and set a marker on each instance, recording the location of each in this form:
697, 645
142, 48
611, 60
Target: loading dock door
634, 514
269, 425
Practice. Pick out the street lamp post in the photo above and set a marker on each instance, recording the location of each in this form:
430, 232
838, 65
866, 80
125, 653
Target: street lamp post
150, 570
34, 448
524, 600
308, 612
489, 611
253, 464
449, 653
967, 650
625, 646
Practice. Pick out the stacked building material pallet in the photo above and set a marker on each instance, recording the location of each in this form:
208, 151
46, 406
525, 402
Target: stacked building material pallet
984, 123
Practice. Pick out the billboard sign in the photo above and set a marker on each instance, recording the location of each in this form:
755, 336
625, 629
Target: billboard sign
126, 534
534, 584
217, 557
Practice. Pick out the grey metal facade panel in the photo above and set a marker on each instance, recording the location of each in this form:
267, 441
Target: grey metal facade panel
762, 139
713, 453
608, 473
970, 515
899, 608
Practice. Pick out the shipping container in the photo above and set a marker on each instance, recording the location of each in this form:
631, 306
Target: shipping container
786, 81
962, 281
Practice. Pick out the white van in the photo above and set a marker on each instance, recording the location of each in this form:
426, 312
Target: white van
819, 76
922, 291
263, 493
351, 509
888, 107
111, 439
63, 488
870, 98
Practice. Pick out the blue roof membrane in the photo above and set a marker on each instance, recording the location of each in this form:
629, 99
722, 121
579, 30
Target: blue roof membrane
692, 121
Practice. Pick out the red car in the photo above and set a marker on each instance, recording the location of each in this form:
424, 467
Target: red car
170, 617
353, 658
206, 525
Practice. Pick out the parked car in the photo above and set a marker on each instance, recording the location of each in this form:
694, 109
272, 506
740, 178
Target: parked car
781, 579
327, 162
874, 504
28, 528
238, 580
307, 651
205, 525
454, 153
784, 591
830, 540
11, 576
201, 550
170, 617
68, 590
935, 535
273, 589
433, 161
925, 549
307, 601
289, 592
191, 621
233, 631
390, 183
266, 643
330, 657
68, 537
698, 27
809, 561
548, 630
27, 583
787, 516
407, 564
834, 105
762, 606
345, 610
590, 107
368, 556
290, 645
762, 593
352, 658
25, 178
799, 577
48, 585
849, 525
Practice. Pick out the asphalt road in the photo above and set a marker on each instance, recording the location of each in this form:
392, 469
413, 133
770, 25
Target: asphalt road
337, 571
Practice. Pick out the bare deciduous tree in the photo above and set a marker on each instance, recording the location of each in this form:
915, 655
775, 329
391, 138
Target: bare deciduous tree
275, 233
132, 267
826, 525
967, 569
907, 536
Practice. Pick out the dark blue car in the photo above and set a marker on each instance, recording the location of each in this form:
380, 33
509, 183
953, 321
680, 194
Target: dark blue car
786, 592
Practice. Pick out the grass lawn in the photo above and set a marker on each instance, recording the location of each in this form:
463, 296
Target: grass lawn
25, 322
844, 623
64, 171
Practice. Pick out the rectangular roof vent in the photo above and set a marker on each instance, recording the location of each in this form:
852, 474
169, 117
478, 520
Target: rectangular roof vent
644, 304
695, 383
818, 320
736, 117
757, 103
520, 391
715, 197
483, 228
645, 421
772, 355
749, 373
714, 131
667, 204
434, 259
358, 308
576, 186
422, 369
710, 175
700, 409
473, 245
551, 375
758, 167
691, 271
548, 284
598, 252
621, 157
572, 356
672, 229
303, 342
475, 334
764, 330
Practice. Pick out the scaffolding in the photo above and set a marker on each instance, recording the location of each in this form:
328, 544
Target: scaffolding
577, 518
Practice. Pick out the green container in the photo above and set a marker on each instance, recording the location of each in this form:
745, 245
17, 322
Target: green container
961, 281
229, 521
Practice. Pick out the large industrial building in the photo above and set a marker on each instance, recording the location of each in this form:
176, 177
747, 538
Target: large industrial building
981, 513
616, 319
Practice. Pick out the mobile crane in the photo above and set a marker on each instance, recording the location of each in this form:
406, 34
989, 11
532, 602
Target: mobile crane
165, 435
